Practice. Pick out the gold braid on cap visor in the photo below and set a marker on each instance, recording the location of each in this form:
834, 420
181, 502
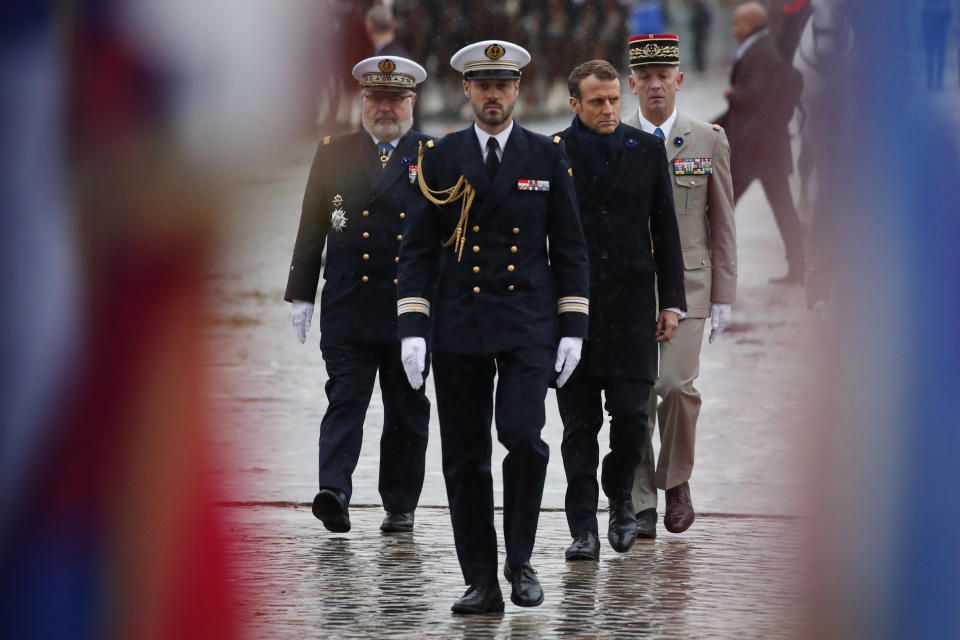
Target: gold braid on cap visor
394, 80
653, 50
491, 64
463, 190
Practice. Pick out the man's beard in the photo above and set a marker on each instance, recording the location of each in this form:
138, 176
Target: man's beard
493, 119
386, 129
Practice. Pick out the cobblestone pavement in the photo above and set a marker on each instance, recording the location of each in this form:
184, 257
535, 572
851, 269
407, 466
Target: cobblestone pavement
724, 578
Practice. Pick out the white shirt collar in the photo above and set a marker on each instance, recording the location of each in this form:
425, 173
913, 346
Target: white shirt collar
501, 137
742, 49
395, 142
666, 127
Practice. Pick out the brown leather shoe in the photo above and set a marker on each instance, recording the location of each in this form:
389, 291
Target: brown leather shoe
679, 514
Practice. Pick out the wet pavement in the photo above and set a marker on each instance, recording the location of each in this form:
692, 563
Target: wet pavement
735, 573
725, 578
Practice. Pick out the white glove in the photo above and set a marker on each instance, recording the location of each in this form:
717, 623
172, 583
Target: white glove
302, 315
719, 319
413, 356
568, 355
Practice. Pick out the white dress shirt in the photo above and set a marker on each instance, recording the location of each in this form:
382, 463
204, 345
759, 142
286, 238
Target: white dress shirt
666, 127
501, 137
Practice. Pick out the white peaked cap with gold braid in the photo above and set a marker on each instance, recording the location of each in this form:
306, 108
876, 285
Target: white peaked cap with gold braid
490, 59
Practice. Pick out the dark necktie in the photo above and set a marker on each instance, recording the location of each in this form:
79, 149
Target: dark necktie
384, 149
493, 162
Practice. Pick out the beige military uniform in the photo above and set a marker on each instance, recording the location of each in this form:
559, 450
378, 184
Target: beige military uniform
704, 205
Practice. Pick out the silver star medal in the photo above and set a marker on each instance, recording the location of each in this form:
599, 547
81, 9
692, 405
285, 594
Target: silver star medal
338, 218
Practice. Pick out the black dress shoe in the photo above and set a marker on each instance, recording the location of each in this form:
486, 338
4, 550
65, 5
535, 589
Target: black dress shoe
679, 514
330, 506
622, 531
585, 546
480, 598
647, 524
397, 522
525, 588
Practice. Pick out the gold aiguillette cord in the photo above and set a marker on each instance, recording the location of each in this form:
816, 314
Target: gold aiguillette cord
463, 191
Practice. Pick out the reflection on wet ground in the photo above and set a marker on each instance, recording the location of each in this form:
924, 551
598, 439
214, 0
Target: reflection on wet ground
724, 578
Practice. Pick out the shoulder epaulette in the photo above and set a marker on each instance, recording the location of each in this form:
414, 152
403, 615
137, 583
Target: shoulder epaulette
326, 140
556, 139
429, 144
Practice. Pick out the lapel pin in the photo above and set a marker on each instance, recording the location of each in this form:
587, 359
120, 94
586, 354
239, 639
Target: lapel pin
631, 143
678, 141
405, 160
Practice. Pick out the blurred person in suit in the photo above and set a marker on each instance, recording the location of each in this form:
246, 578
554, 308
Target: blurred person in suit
354, 205
761, 100
698, 157
700, 19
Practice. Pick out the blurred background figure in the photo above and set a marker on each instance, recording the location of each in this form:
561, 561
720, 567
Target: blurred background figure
647, 17
339, 40
382, 31
935, 20
762, 97
701, 18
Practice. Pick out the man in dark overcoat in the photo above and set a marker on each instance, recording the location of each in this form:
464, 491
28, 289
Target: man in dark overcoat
756, 122
493, 270
354, 205
626, 207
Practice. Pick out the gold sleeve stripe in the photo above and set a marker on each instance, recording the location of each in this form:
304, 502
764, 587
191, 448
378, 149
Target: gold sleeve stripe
573, 304
579, 308
413, 305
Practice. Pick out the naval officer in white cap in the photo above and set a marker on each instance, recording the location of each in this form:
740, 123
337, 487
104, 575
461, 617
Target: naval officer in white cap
493, 273
354, 206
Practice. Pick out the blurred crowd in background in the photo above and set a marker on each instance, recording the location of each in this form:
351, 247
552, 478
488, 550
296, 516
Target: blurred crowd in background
555, 32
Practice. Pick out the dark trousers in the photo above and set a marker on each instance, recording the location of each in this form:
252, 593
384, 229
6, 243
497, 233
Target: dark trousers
776, 187
351, 370
466, 404
582, 414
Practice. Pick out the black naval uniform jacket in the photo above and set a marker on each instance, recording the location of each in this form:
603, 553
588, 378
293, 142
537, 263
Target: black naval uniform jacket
620, 218
359, 297
522, 279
